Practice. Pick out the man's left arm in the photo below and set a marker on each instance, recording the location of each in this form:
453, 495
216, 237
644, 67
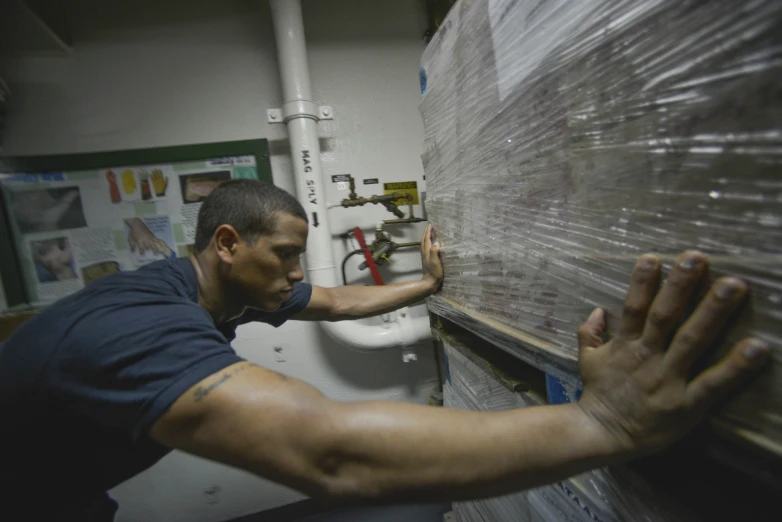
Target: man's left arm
354, 302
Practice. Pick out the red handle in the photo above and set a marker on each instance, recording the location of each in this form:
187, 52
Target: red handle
368, 256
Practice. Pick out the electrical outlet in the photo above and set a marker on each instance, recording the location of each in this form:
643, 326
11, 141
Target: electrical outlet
279, 353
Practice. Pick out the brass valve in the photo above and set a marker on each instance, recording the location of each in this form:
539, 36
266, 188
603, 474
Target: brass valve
389, 201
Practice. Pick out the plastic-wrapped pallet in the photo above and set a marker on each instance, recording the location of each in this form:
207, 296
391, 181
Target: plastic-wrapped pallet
564, 139
609, 495
2, 300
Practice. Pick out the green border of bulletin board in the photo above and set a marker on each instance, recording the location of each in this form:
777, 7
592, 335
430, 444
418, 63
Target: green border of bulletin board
11, 273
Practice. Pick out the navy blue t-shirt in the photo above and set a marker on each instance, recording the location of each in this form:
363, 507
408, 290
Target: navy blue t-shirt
82, 382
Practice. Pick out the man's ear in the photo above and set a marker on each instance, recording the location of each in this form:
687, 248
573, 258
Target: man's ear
226, 241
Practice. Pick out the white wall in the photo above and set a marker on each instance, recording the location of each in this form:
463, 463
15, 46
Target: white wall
150, 73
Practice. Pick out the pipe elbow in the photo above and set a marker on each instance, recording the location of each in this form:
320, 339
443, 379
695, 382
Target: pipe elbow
361, 337
401, 333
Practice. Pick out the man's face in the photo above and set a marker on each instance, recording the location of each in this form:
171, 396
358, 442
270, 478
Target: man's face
264, 273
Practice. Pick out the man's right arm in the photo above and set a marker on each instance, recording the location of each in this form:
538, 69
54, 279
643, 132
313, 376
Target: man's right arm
285, 430
638, 397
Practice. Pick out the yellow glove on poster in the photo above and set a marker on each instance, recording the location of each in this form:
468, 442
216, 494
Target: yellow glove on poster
159, 182
128, 181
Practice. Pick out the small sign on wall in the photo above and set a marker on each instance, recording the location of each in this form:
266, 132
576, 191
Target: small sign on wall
403, 187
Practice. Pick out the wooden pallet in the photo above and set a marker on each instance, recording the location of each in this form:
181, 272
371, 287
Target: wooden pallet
748, 449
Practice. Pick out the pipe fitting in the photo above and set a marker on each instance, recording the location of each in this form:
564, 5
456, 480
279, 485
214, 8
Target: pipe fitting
300, 109
412, 330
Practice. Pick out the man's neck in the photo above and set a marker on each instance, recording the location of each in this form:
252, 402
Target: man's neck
211, 294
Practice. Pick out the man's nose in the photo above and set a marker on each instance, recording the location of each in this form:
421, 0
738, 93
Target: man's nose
297, 274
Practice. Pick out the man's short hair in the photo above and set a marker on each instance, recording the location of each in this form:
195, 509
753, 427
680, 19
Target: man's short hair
249, 206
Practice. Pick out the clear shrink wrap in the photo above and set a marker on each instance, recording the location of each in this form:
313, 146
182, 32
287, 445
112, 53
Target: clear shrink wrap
564, 139
613, 494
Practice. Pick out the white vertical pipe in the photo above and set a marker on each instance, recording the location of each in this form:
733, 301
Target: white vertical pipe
303, 135
301, 117
291, 49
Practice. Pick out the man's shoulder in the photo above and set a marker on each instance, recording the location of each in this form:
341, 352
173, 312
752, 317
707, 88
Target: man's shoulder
155, 297
170, 276
166, 280
158, 297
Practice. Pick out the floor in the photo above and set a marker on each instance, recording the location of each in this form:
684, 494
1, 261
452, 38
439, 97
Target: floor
396, 514
308, 512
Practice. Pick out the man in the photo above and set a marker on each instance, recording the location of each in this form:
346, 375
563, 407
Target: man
105, 382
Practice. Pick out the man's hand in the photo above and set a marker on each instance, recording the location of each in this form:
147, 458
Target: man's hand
430, 259
639, 386
355, 302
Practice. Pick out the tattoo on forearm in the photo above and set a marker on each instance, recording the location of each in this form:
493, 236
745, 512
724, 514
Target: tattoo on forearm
202, 391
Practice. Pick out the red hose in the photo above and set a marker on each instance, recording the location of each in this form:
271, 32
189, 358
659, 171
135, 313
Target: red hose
368, 256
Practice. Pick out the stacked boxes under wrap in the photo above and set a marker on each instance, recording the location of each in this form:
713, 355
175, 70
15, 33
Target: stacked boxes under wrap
606, 495
565, 139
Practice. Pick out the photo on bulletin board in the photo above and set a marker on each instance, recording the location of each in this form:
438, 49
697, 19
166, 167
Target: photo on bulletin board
53, 259
47, 209
66, 221
196, 187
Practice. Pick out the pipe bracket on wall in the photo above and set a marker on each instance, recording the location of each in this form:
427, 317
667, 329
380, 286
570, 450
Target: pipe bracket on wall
300, 109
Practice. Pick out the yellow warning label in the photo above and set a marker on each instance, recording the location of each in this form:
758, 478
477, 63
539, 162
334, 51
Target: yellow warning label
402, 187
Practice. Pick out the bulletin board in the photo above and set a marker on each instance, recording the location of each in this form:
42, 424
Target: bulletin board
68, 220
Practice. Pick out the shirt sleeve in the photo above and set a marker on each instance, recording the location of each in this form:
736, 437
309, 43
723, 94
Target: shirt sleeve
131, 364
300, 298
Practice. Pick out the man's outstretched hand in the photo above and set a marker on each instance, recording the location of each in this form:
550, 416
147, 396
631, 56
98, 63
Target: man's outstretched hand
430, 259
639, 386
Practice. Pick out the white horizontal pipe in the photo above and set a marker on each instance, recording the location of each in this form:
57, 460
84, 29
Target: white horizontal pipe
305, 154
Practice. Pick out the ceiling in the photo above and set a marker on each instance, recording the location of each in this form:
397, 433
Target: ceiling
33, 27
